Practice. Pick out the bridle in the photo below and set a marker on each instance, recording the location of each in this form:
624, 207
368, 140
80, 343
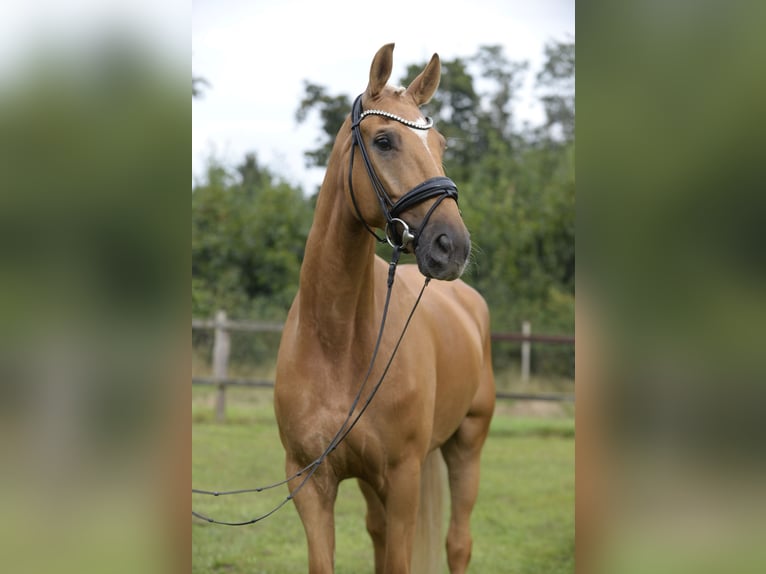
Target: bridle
440, 187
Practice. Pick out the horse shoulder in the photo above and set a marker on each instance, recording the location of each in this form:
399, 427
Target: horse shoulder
463, 306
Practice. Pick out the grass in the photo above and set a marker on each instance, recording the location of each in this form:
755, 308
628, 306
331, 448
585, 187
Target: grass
523, 522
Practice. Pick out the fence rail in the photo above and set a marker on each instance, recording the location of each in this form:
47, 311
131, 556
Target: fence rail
266, 327
530, 338
232, 325
221, 346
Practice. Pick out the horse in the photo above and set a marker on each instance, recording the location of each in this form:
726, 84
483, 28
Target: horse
437, 397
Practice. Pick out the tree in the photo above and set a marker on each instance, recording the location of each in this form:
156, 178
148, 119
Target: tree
197, 83
332, 113
557, 83
248, 233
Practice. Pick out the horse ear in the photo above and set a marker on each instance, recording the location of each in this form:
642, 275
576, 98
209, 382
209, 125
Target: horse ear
424, 86
380, 70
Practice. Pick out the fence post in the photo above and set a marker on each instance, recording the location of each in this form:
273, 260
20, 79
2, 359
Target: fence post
220, 363
526, 349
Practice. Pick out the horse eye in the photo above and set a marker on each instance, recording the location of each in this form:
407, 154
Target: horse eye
383, 143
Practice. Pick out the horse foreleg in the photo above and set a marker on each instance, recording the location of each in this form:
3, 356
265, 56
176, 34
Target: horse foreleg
315, 503
462, 455
376, 524
401, 506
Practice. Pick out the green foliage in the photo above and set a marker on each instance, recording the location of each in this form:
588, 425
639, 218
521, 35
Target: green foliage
248, 234
249, 230
332, 112
556, 79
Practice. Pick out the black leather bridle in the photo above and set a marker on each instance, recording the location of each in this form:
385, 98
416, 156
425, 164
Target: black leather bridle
440, 187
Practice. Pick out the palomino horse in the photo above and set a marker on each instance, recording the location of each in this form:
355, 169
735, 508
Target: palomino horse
438, 395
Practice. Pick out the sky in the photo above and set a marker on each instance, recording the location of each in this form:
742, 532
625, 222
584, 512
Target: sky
256, 55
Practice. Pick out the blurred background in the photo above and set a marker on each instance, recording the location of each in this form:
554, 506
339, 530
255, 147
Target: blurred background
671, 290
94, 134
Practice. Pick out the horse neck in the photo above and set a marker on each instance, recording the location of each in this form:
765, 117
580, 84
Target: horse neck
337, 281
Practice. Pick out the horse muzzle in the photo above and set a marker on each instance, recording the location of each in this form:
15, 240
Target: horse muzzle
442, 251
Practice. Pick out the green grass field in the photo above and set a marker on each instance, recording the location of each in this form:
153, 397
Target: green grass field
523, 522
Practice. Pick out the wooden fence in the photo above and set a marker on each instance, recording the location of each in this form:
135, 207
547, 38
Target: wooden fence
222, 326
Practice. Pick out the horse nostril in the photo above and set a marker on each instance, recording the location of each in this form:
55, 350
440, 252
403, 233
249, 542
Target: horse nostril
443, 255
444, 243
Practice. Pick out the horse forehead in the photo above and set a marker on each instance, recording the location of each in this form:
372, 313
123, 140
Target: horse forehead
394, 101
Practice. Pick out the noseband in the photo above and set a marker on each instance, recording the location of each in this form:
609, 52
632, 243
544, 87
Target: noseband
439, 187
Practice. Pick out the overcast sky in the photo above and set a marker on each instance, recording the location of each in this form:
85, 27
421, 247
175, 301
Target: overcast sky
256, 54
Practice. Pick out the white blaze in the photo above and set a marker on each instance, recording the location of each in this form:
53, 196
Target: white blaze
423, 135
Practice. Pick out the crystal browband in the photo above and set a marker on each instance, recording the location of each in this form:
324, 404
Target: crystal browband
427, 123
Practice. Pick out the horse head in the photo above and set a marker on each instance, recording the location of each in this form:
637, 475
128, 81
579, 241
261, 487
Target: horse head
398, 184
